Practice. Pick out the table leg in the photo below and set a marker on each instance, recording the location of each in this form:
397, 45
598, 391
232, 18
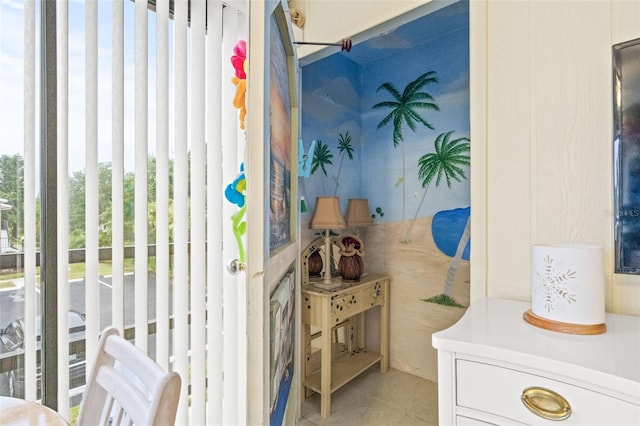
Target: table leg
325, 360
360, 330
384, 330
306, 360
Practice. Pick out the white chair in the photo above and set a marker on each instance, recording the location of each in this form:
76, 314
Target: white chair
127, 387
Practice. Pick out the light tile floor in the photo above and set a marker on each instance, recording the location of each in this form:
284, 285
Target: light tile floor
372, 399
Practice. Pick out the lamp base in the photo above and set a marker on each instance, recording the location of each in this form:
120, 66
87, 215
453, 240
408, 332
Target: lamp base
563, 327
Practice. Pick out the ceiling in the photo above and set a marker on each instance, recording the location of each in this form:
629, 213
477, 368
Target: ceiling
424, 24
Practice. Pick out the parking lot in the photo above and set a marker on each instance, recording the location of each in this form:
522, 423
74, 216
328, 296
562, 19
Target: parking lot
12, 315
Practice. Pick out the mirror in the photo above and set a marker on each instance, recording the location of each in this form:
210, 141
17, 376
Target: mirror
626, 121
312, 259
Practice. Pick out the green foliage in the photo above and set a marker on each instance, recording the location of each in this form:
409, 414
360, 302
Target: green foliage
74, 412
321, 158
344, 145
447, 162
378, 212
12, 190
404, 111
404, 106
345, 148
443, 299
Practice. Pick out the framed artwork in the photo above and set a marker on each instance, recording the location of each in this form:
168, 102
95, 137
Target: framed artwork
626, 140
282, 129
282, 344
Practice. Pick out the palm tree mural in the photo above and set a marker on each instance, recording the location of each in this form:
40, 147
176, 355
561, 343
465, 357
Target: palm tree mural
455, 261
447, 162
404, 111
321, 158
345, 148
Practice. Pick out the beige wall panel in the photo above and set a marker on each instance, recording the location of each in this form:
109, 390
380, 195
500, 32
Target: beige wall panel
571, 138
508, 110
478, 28
549, 70
571, 111
625, 19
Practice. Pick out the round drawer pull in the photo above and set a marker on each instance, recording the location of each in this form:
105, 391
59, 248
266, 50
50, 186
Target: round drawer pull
546, 403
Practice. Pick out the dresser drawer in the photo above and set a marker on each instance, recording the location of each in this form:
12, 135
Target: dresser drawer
466, 421
497, 391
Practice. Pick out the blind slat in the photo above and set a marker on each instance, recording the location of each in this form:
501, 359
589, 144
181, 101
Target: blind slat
92, 290
117, 164
198, 213
162, 183
180, 203
230, 164
30, 198
214, 212
141, 159
63, 203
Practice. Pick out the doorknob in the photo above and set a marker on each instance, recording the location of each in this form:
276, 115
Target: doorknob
235, 267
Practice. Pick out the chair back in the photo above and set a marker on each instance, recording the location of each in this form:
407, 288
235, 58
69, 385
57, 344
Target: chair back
127, 387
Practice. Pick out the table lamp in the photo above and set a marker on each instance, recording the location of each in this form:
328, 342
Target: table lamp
327, 216
358, 214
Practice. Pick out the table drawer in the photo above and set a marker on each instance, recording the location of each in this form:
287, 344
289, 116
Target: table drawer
498, 391
349, 303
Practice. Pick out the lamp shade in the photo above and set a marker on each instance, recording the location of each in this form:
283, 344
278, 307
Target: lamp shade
567, 284
358, 213
327, 214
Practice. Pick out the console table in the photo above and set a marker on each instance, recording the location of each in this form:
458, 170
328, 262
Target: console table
335, 364
495, 368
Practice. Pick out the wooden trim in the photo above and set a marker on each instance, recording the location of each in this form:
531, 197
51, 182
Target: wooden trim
563, 327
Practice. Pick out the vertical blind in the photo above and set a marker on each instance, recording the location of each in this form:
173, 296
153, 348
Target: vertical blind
30, 167
168, 97
62, 38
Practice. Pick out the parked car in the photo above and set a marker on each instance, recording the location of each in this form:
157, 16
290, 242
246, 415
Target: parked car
12, 382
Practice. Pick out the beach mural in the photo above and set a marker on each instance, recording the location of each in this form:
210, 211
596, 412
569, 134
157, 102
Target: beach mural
392, 126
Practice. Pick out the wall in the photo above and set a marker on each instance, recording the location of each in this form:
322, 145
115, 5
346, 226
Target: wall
541, 126
541, 79
337, 97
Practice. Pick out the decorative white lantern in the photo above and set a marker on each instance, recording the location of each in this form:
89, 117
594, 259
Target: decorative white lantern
567, 288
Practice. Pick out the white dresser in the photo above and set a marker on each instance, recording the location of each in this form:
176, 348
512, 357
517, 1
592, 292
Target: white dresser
495, 368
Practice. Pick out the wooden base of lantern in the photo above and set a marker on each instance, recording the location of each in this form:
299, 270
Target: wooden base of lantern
563, 327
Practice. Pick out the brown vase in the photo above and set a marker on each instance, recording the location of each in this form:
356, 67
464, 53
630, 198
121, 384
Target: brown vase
351, 268
315, 264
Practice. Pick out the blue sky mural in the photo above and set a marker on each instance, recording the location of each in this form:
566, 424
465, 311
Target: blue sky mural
338, 96
426, 254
